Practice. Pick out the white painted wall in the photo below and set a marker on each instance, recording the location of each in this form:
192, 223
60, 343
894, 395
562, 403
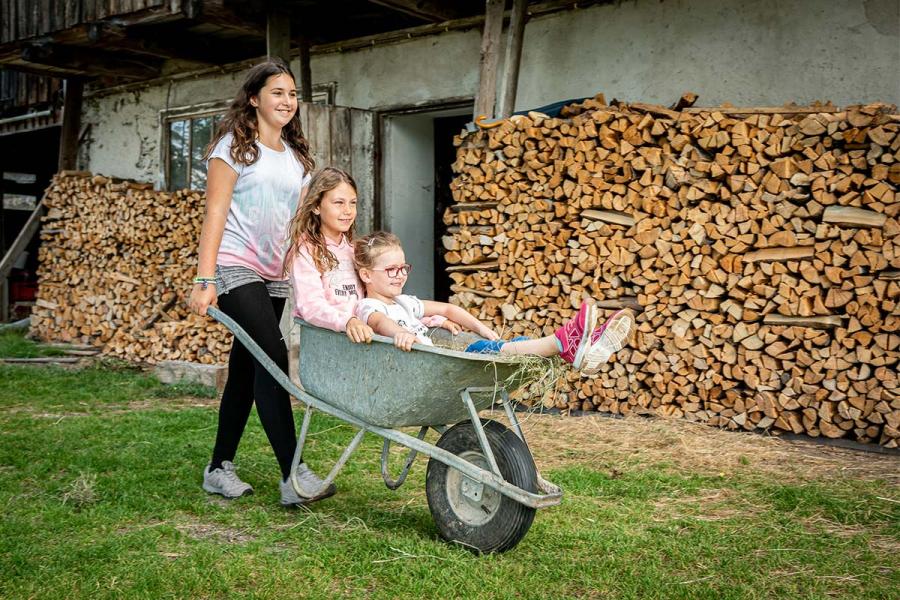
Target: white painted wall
759, 52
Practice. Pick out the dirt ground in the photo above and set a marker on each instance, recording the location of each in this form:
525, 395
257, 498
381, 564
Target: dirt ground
561, 440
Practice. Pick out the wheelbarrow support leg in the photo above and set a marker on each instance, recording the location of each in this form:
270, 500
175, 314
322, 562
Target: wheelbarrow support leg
479, 430
385, 450
298, 453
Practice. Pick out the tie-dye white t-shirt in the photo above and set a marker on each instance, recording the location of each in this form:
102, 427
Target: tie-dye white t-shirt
264, 199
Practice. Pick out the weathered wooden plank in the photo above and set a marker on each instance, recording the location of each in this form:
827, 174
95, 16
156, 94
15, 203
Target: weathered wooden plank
72, 12
89, 10
278, 34
303, 113
21, 242
71, 125
305, 69
47, 10
7, 16
490, 57
340, 138
514, 38
362, 165
319, 133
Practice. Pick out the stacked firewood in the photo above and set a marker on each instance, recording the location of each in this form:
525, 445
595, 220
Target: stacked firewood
116, 262
760, 249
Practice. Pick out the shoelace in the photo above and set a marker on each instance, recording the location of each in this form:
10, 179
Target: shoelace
231, 476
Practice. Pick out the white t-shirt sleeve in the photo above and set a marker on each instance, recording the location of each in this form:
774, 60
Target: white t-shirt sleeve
223, 151
412, 305
367, 307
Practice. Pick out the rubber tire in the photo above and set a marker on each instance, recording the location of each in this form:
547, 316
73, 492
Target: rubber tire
511, 520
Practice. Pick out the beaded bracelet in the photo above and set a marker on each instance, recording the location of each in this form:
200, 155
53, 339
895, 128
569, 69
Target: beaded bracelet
205, 281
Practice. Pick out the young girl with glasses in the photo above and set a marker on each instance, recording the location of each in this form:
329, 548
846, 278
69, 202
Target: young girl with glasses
383, 269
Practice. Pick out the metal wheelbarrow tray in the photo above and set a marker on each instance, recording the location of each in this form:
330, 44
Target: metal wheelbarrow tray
481, 483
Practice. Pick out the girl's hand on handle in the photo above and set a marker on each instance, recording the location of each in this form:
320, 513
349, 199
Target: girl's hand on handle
404, 340
358, 332
452, 327
202, 298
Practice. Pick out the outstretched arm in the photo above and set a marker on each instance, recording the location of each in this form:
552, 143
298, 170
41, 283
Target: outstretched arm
458, 315
384, 325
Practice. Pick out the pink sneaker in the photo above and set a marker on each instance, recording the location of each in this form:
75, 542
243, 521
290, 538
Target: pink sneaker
575, 336
607, 339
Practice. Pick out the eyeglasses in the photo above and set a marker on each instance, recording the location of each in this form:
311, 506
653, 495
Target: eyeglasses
396, 271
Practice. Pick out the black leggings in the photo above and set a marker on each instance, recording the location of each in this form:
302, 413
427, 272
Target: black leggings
258, 313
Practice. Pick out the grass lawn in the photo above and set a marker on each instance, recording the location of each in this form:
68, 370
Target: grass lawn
100, 472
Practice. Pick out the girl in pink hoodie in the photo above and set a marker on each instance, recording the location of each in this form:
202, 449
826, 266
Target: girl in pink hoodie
320, 258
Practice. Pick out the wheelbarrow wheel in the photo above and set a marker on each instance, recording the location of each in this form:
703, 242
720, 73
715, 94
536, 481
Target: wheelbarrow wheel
473, 514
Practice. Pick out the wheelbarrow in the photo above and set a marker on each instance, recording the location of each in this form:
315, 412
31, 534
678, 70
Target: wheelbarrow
481, 483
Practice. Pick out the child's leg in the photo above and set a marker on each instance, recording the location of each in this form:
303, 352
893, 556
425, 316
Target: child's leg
545, 346
444, 339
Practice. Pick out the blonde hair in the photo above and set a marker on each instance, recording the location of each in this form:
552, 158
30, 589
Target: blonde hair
306, 226
369, 247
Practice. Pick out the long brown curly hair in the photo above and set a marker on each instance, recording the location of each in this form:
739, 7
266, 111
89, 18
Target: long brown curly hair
240, 120
306, 226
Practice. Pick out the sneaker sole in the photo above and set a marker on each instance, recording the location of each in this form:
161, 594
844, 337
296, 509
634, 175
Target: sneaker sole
605, 344
212, 490
590, 322
332, 489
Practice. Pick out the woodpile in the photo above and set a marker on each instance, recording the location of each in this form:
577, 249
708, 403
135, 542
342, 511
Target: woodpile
761, 248
116, 263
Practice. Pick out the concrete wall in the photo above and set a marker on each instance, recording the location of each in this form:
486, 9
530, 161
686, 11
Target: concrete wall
747, 52
759, 52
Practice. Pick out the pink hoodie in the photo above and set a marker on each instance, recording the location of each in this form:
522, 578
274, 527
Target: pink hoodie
326, 300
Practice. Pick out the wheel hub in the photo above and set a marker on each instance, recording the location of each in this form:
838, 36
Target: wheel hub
473, 502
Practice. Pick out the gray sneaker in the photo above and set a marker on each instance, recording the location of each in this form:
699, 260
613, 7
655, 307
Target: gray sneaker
307, 481
225, 481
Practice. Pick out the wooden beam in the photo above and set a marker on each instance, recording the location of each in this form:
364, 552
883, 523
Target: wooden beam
278, 34
92, 61
21, 242
514, 37
305, 70
71, 124
490, 57
423, 9
167, 47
